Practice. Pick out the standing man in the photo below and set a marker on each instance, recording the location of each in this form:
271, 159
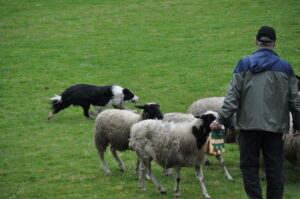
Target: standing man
262, 92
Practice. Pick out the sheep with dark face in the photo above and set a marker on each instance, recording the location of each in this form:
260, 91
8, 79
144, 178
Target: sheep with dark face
215, 104
113, 127
171, 145
181, 117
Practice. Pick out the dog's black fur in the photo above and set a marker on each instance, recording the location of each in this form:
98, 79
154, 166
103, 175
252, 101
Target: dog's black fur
85, 95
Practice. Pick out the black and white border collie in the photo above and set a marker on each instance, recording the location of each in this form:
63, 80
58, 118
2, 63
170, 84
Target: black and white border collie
85, 95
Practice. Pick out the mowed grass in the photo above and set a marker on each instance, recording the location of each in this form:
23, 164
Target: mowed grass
172, 52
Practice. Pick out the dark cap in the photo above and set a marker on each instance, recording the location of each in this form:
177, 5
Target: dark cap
266, 34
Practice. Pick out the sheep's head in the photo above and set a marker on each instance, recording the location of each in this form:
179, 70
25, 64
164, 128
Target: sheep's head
150, 111
201, 131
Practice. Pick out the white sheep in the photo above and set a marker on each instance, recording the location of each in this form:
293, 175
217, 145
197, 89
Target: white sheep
181, 117
112, 127
171, 145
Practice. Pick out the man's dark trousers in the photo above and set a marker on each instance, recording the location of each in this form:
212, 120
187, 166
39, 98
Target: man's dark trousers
271, 145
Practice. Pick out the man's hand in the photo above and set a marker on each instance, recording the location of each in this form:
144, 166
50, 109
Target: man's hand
296, 133
215, 125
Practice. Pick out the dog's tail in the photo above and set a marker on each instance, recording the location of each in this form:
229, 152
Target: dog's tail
55, 103
56, 100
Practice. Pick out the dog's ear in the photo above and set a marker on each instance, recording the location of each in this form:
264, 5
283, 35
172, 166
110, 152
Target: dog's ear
126, 91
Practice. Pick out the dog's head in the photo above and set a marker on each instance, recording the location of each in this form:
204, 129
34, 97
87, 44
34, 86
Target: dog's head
129, 96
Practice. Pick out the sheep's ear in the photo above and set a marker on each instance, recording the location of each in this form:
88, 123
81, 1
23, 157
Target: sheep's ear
298, 77
140, 107
203, 117
198, 116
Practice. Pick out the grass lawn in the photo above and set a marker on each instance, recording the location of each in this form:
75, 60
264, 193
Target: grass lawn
172, 52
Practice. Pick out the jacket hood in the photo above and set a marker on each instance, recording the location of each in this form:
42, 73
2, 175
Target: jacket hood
262, 60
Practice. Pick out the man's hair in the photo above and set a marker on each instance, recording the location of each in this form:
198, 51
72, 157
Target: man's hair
265, 44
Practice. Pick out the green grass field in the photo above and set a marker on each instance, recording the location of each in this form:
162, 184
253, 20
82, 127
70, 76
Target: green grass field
172, 52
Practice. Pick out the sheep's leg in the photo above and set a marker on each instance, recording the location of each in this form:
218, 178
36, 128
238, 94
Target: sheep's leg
221, 161
200, 177
147, 164
137, 166
176, 189
142, 175
103, 163
153, 179
117, 158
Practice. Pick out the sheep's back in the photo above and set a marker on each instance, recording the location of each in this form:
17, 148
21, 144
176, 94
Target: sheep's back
202, 105
114, 125
169, 144
178, 117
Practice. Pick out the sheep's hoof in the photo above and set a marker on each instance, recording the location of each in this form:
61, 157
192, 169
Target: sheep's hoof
148, 177
107, 172
229, 178
122, 170
207, 197
162, 191
207, 163
143, 189
176, 195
